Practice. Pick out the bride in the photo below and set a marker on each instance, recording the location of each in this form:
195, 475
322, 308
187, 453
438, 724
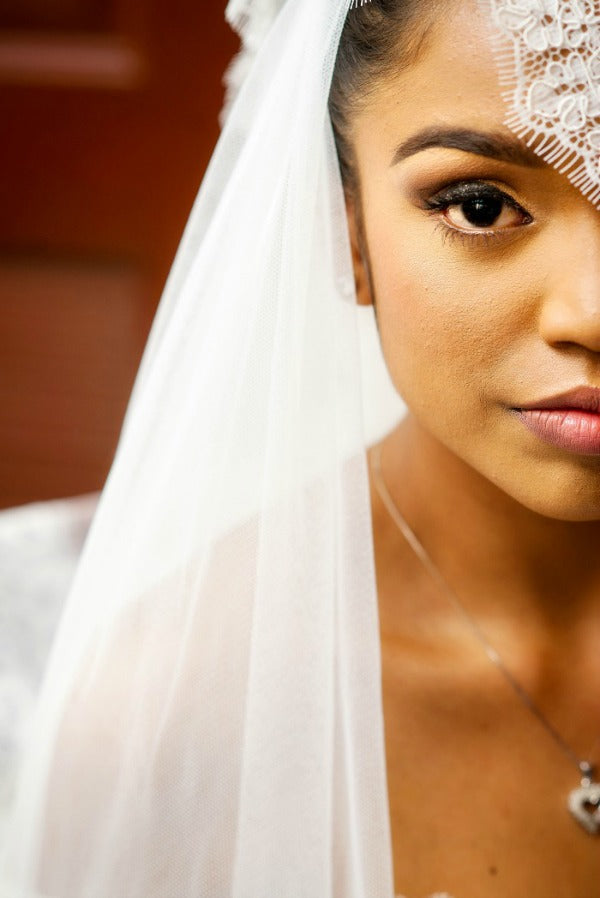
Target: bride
483, 264
315, 647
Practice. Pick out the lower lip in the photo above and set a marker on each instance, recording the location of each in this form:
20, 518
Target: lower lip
570, 429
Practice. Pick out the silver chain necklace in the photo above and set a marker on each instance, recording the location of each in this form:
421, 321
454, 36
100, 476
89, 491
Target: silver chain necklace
584, 801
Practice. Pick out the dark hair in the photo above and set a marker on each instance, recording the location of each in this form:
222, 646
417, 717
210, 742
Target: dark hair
379, 38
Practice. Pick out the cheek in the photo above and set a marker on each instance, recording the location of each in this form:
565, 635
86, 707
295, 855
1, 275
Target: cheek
450, 332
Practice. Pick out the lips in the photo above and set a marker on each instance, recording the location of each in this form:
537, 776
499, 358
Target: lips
569, 421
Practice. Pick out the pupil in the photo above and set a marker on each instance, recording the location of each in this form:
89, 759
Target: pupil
483, 211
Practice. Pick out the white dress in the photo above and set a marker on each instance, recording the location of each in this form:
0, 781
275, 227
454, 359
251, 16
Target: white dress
40, 543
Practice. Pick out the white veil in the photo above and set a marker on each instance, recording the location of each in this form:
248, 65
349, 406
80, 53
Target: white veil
210, 722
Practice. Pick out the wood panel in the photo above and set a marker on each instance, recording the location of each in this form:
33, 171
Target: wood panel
110, 114
70, 340
60, 15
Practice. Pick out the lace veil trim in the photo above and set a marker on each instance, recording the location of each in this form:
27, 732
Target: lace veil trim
548, 54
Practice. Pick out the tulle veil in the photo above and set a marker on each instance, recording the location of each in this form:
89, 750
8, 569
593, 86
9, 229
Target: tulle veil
210, 722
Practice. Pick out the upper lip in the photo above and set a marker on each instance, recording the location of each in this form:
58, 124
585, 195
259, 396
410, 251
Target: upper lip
586, 399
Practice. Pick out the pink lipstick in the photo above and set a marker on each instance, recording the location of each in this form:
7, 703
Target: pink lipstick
569, 421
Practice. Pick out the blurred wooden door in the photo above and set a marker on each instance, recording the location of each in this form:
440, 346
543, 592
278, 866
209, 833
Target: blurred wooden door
109, 116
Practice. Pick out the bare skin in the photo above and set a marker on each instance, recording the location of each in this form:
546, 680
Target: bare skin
472, 327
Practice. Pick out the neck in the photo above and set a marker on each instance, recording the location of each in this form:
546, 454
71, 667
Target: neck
499, 556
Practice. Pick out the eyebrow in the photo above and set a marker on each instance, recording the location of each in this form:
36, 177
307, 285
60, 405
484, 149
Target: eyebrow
494, 145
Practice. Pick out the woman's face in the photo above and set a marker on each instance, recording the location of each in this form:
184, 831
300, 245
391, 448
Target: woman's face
485, 268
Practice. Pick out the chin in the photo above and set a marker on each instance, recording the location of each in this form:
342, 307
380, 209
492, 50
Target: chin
551, 482
562, 498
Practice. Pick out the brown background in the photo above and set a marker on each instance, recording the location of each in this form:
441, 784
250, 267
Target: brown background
109, 112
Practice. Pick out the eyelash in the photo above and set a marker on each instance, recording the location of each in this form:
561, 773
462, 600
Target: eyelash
458, 194
450, 234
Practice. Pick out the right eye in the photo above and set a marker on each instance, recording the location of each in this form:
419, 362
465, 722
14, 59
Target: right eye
478, 208
484, 212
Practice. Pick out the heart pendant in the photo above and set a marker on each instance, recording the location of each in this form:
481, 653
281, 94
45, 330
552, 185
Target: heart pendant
584, 804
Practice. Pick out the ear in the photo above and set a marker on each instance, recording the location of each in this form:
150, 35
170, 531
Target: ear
361, 272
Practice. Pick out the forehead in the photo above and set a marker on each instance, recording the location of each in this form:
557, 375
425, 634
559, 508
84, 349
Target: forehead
453, 80
529, 71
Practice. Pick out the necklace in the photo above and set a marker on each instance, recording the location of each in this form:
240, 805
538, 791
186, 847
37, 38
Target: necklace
583, 801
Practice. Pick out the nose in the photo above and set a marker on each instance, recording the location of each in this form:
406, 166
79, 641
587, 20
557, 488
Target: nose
570, 313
